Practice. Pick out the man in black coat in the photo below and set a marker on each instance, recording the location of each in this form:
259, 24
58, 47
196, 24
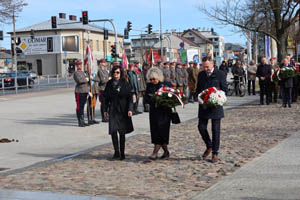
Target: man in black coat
264, 72
210, 77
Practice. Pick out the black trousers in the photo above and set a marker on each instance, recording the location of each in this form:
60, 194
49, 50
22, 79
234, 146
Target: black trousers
216, 130
287, 95
251, 82
101, 100
264, 91
115, 141
80, 102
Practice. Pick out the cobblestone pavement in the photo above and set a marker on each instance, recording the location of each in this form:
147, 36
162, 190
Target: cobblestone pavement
247, 132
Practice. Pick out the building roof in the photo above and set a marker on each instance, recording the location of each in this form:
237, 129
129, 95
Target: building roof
187, 41
197, 33
63, 24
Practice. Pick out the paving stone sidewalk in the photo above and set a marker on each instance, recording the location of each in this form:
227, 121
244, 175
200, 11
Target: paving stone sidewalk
247, 132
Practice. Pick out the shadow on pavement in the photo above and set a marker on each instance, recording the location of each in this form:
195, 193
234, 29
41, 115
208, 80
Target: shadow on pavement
62, 120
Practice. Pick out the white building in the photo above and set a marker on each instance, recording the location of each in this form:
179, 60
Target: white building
219, 43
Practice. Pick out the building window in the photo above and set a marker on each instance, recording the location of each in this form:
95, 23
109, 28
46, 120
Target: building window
49, 44
97, 44
70, 43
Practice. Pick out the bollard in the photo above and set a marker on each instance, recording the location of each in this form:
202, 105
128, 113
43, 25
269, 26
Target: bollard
57, 79
3, 86
27, 85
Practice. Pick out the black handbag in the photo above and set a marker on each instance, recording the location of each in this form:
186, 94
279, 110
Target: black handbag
175, 117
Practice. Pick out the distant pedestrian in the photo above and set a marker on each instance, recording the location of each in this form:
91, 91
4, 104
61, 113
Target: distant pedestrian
252, 68
264, 72
81, 92
274, 84
159, 116
286, 85
210, 77
118, 107
224, 67
180, 77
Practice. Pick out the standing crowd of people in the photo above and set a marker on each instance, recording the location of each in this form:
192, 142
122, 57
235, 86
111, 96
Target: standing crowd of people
271, 87
119, 91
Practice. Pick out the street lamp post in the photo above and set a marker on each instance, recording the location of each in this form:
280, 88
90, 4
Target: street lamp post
15, 51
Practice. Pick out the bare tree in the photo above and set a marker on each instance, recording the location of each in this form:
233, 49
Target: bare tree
8, 7
269, 17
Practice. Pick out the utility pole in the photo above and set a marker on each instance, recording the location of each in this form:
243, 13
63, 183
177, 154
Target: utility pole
255, 35
14, 50
160, 37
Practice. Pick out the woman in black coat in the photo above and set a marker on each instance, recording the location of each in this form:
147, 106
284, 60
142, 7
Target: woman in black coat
159, 116
118, 107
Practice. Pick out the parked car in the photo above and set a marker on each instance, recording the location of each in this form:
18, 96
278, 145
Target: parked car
29, 73
9, 79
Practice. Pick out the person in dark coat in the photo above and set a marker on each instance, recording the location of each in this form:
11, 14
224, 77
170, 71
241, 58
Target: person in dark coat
287, 86
224, 67
135, 88
118, 107
238, 75
210, 77
159, 116
264, 72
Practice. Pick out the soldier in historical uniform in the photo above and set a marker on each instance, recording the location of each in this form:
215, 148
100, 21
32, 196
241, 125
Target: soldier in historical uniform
173, 74
180, 76
134, 83
103, 75
142, 84
81, 92
192, 81
166, 72
92, 100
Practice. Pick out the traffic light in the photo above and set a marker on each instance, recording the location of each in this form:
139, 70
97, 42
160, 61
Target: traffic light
126, 36
149, 28
105, 34
53, 22
129, 28
113, 50
1, 35
85, 18
32, 34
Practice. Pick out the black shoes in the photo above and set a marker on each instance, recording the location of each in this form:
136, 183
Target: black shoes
116, 155
166, 155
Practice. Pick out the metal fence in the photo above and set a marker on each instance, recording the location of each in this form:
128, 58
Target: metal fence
40, 83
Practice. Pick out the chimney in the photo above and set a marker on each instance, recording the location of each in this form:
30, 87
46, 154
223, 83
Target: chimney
62, 15
72, 17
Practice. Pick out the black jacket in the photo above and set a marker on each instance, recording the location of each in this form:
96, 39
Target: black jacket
118, 101
216, 79
264, 70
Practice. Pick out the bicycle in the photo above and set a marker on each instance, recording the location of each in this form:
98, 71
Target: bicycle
241, 86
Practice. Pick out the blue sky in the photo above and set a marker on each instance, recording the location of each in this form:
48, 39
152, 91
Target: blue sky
176, 14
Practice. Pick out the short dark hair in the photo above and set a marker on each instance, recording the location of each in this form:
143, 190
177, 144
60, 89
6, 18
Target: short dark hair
206, 58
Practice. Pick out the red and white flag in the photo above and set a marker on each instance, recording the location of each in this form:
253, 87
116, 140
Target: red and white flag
124, 60
88, 60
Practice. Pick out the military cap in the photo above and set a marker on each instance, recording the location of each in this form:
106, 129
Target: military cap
78, 62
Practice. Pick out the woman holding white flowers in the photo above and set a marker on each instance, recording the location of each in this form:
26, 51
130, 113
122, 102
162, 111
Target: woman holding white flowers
159, 116
208, 78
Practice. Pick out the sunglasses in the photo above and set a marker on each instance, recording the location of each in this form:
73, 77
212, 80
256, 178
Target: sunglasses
152, 79
116, 72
